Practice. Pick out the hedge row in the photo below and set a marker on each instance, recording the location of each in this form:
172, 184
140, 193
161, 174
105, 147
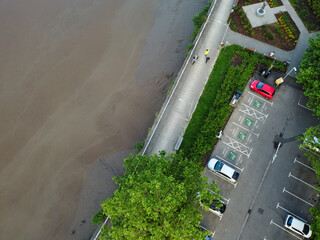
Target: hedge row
199, 19
213, 108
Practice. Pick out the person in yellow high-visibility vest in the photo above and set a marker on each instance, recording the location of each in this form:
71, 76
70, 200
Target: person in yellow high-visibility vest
206, 52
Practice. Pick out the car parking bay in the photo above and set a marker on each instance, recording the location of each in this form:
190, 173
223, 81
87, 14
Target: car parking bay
247, 143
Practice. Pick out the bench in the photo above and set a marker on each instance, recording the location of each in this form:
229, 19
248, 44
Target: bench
178, 143
249, 49
268, 56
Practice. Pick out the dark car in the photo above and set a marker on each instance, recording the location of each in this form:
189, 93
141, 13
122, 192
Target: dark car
217, 207
263, 89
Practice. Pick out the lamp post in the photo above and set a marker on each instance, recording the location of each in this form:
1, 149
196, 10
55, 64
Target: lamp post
294, 68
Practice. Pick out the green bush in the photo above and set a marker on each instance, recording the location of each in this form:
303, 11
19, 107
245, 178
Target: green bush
99, 217
199, 19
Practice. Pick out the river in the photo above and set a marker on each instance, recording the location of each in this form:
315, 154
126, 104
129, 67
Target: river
80, 84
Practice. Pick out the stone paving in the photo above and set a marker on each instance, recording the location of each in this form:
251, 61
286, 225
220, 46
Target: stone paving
268, 18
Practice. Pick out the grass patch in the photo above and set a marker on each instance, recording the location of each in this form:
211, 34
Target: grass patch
213, 108
171, 85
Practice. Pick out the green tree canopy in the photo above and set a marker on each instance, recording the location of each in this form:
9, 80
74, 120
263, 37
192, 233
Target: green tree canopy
310, 74
158, 198
311, 143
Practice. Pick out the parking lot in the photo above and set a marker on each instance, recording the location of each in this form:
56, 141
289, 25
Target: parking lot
272, 183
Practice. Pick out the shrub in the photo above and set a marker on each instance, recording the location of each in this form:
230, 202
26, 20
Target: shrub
99, 217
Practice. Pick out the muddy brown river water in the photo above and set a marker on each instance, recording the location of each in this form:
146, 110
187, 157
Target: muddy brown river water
80, 83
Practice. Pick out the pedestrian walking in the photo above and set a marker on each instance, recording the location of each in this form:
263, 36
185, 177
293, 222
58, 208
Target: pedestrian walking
194, 59
206, 53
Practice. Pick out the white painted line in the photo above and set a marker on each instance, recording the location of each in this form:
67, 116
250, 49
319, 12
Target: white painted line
257, 134
303, 105
271, 222
290, 175
284, 190
256, 110
276, 152
238, 146
241, 169
271, 103
278, 206
226, 200
309, 150
295, 160
180, 99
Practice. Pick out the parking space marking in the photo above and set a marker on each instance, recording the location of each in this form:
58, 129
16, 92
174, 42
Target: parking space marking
284, 190
303, 105
272, 222
257, 134
290, 175
227, 200
295, 160
238, 146
240, 169
271, 103
278, 206
257, 103
232, 156
254, 113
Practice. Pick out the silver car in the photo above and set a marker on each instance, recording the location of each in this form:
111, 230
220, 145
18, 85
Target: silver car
298, 226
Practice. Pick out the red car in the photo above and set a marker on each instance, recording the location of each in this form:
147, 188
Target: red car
263, 89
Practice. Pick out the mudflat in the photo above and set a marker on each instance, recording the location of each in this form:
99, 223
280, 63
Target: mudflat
80, 82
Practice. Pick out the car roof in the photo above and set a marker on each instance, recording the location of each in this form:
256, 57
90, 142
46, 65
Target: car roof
227, 170
268, 88
297, 224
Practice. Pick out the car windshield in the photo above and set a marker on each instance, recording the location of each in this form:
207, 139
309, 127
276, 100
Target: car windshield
260, 85
235, 175
306, 229
218, 166
289, 221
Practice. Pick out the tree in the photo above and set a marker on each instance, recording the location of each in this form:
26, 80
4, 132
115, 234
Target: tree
315, 223
310, 74
311, 142
158, 198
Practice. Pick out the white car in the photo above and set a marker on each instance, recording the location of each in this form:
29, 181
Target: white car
223, 170
298, 226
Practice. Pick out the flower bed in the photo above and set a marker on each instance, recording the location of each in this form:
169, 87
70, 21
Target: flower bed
284, 34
